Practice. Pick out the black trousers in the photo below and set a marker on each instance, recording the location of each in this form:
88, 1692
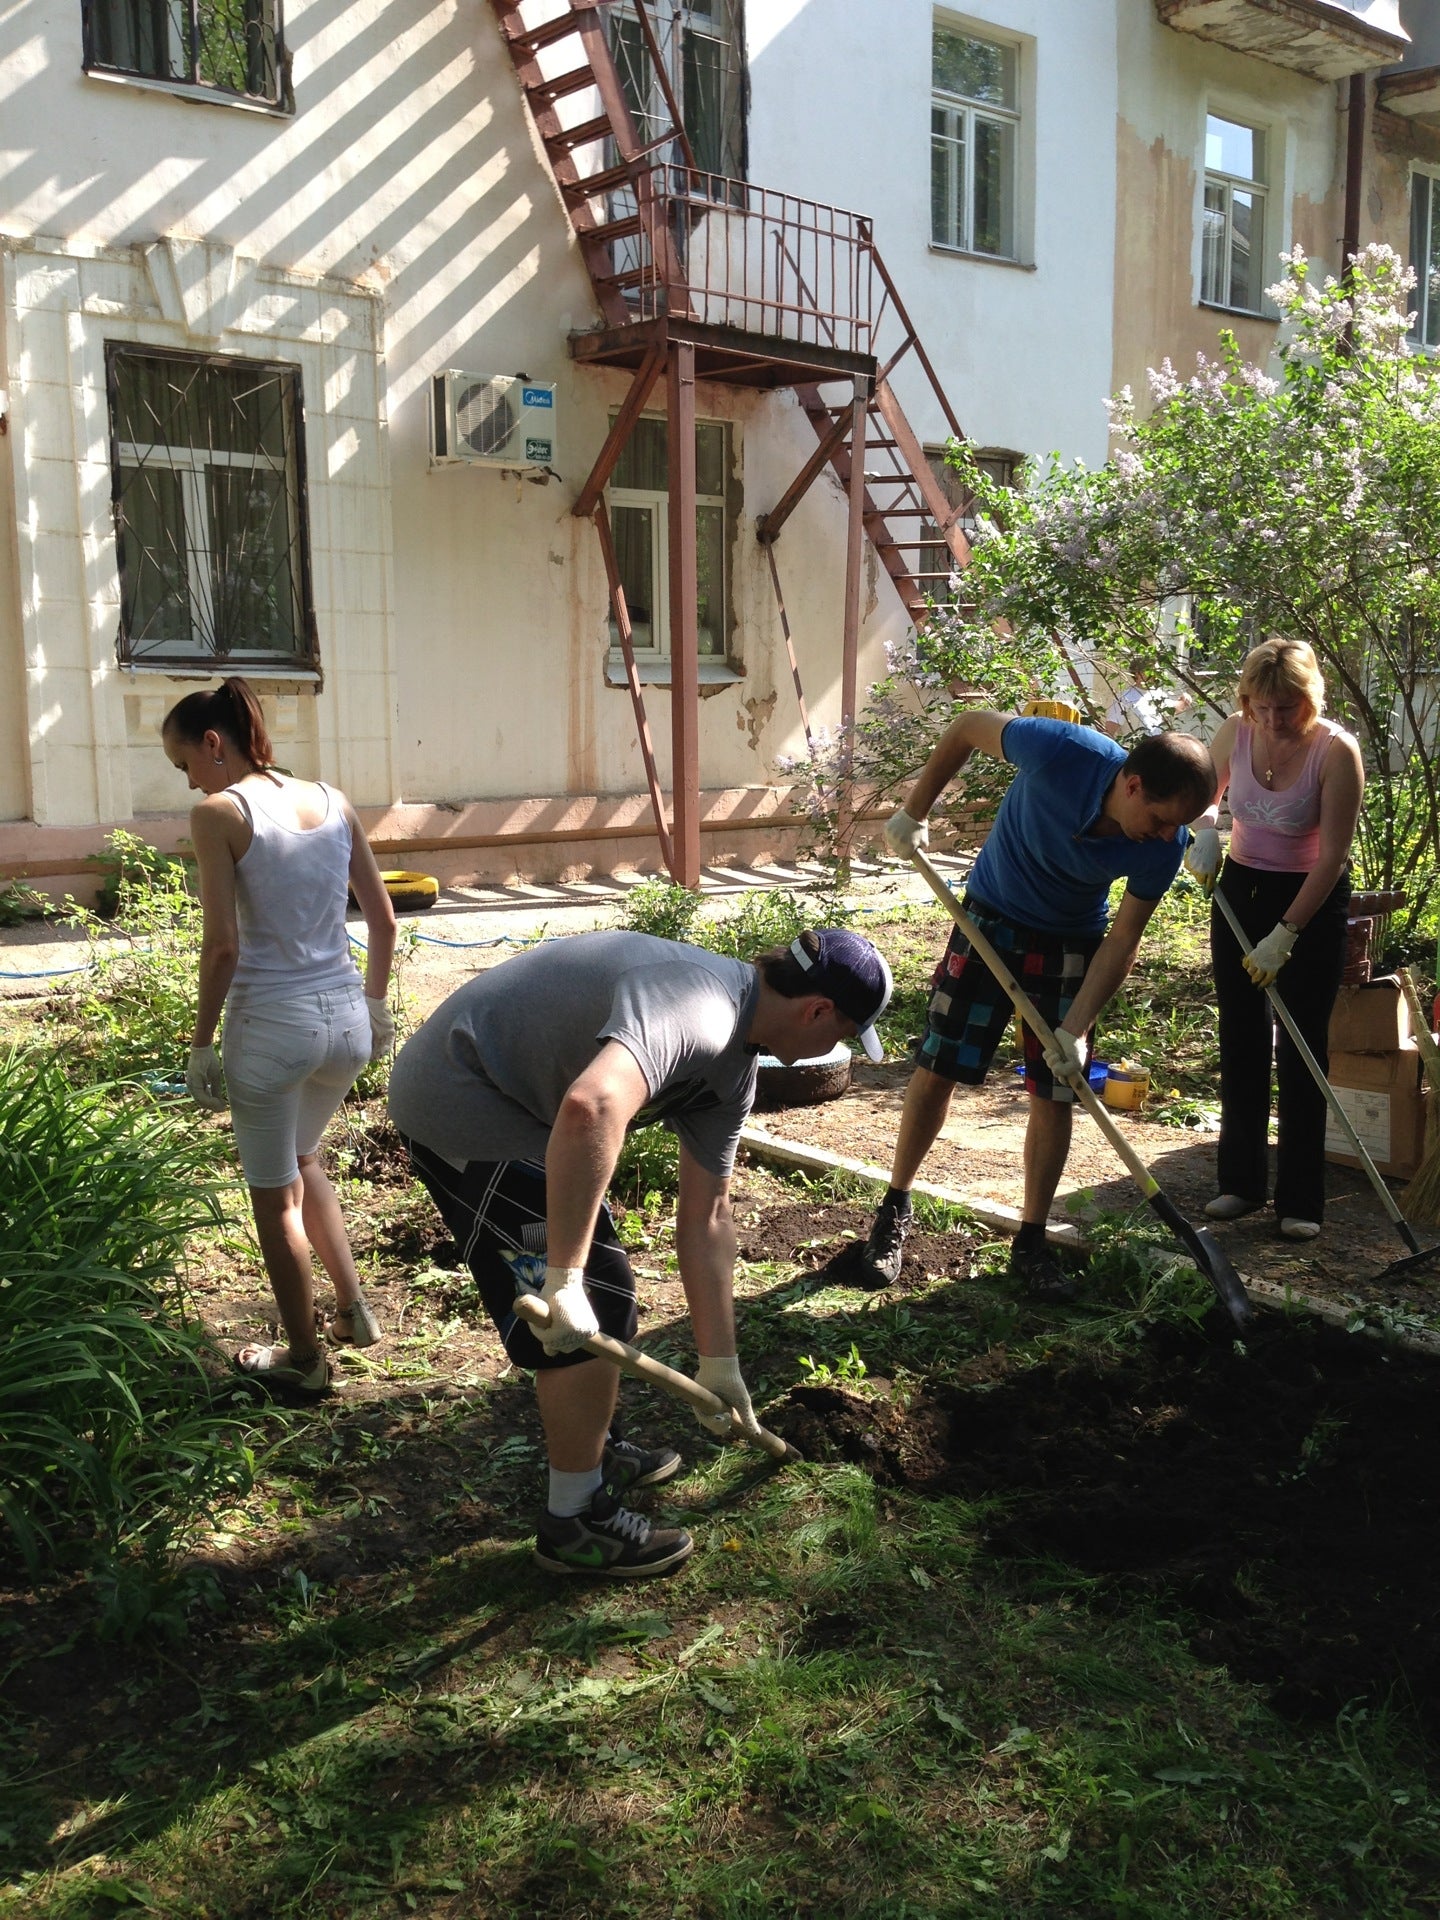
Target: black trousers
1308, 984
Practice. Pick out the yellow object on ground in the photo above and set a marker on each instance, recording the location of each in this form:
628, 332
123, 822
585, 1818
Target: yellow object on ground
410, 892
1127, 1086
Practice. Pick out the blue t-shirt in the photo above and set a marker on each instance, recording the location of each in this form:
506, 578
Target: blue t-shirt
1039, 865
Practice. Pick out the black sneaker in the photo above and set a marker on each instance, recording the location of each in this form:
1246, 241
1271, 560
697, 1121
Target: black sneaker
1041, 1276
610, 1542
883, 1253
627, 1466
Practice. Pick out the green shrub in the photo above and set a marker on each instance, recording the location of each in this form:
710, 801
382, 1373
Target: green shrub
649, 1164
112, 1449
661, 908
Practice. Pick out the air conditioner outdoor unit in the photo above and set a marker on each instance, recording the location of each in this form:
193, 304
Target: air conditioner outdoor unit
500, 420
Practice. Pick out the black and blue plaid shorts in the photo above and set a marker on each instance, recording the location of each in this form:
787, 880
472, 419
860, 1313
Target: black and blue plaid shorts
970, 1010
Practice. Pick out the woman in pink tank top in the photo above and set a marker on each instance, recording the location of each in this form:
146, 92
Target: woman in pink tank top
276, 858
1295, 780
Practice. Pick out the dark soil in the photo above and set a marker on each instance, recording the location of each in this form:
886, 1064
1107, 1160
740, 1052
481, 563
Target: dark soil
1285, 1492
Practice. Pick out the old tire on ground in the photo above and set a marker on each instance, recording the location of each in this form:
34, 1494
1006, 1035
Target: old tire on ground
807, 1082
411, 892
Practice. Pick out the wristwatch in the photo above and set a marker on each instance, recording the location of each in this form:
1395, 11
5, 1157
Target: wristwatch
1290, 926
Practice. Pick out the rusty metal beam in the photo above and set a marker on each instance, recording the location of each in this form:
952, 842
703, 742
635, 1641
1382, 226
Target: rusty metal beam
850, 642
790, 647
931, 492
767, 527
632, 679
657, 60
645, 378
684, 618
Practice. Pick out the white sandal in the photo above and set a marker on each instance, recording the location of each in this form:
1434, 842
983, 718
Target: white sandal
272, 1368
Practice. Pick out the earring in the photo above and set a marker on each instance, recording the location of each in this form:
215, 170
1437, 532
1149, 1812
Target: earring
217, 759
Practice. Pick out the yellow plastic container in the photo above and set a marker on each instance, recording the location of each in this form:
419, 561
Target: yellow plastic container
411, 892
1051, 710
1127, 1087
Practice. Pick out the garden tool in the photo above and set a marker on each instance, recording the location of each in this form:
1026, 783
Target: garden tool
679, 1385
1417, 1253
1422, 1196
1199, 1244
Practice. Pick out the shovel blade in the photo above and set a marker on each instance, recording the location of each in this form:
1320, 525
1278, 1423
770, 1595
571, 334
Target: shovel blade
1212, 1261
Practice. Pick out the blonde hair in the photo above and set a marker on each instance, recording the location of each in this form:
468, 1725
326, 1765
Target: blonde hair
1277, 668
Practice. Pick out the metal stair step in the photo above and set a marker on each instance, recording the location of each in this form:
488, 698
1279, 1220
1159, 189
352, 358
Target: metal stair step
531, 39
585, 135
545, 93
591, 184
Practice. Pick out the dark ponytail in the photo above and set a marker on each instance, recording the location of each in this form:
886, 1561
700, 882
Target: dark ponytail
231, 710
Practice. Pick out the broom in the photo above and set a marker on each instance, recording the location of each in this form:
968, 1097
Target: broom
1421, 1198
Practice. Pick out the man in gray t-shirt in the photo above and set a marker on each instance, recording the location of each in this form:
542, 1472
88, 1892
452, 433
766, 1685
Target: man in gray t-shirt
513, 1101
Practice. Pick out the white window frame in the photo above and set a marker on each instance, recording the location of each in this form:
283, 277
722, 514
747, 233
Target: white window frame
1427, 297
1228, 184
656, 501
962, 115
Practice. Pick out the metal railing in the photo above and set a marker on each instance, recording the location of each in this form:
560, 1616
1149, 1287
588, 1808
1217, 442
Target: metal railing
726, 253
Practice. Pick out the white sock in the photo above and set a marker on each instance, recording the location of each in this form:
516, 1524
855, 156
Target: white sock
571, 1493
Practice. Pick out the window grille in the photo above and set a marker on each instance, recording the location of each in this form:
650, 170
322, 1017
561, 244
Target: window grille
224, 46
207, 459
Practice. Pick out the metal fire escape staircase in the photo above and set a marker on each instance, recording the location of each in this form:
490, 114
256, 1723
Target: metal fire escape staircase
700, 276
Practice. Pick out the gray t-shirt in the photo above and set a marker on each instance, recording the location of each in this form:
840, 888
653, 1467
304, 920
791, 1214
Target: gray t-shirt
484, 1077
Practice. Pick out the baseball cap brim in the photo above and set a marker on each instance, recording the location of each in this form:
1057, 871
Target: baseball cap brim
870, 1041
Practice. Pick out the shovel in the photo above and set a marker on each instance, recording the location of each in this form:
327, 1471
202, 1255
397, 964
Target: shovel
1202, 1248
1387, 1199
629, 1359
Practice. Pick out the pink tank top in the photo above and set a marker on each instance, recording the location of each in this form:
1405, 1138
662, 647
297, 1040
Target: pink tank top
1277, 832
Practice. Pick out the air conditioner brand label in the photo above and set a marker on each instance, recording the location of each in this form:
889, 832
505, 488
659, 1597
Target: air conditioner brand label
542, 452
536, 397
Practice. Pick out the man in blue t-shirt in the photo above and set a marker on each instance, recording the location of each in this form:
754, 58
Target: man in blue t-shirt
1080, 814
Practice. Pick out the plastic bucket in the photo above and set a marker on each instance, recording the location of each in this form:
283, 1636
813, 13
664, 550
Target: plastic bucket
1051, 710
1127, 1087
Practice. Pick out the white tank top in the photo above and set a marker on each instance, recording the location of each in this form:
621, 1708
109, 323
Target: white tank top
290, 896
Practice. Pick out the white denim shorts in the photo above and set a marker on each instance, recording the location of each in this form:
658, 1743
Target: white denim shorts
288, 1065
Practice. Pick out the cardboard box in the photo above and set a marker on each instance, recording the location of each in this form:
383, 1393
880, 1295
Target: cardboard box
1384, 1097
1369, 1019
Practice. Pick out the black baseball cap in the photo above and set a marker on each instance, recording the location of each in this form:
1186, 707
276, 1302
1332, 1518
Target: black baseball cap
852, 973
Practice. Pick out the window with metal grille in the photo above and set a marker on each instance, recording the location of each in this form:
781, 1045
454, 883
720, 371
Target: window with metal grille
974, 135
639, 504
222, 46
1232, 244
1425, 257
207, 458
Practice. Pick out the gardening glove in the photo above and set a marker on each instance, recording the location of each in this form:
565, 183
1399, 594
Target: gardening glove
1066, 1059
205, 1080
1202, 856
382, 1027
720, 1373
1267, 956
904, 835
572, 1318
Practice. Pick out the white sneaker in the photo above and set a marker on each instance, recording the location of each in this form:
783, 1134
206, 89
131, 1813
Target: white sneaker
1230, 1206
355, 1326
1293, 1229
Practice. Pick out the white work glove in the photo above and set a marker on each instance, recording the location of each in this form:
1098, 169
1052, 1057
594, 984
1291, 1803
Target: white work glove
205, 1080
721, 1375
904, 835
572, 1318
1066, 1059
1267, 957
382, 1027
1202, 856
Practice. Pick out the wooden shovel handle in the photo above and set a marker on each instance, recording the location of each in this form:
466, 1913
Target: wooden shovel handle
680, 1386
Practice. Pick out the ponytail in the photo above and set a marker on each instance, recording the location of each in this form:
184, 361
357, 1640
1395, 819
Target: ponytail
232, 710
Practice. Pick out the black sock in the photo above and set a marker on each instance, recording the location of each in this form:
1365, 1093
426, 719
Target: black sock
1030, 1236
897, 1199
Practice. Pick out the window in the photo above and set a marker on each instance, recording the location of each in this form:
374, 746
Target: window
640, 522
225, 46
974, 131
208, 490
1425, 257
1232, 242
936, 563
701, 44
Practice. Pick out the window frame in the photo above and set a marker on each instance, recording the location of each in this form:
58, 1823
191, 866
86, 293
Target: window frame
187, 461
192, 85
961, 183
1427, 297
1228, 184
656, 501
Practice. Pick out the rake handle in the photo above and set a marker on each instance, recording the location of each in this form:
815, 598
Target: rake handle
679, 1386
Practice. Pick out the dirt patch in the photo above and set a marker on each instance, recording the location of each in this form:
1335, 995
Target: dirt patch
1284, 1492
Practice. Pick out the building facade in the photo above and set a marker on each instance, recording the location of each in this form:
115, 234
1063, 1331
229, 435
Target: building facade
316, 327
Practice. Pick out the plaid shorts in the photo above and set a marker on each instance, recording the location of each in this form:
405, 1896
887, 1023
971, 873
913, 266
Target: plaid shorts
970, 1010
491, 1206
